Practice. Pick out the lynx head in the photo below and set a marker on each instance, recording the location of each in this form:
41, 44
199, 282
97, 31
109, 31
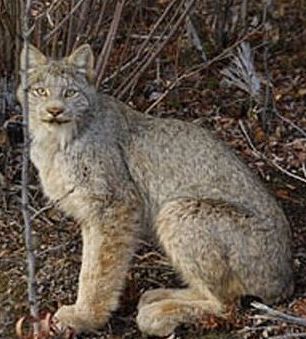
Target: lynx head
60, 92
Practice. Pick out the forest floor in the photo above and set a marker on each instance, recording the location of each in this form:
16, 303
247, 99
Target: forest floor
57, 238
59, 254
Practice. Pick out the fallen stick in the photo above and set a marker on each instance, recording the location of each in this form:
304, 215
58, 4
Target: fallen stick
277, 315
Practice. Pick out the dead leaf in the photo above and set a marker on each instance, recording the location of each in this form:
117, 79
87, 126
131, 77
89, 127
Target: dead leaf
3, 137
302, 92
299, 307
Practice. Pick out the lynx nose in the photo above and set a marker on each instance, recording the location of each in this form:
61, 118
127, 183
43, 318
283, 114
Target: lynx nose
55, 111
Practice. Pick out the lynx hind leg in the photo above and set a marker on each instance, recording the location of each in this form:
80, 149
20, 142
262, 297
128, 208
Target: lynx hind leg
202, 263
186, 294
161, 316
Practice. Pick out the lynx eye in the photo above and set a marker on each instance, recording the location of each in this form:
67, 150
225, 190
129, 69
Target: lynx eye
69, 93
40, 91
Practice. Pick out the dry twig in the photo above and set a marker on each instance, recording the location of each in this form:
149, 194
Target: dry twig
133, 79
60, 24
277, 315
194, 37
262, 156
197, 69
291, 123
25, 174
143, 46
290, 335
105, 53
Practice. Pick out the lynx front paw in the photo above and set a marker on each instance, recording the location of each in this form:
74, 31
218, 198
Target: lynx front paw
152, 320
66, 317
80, 318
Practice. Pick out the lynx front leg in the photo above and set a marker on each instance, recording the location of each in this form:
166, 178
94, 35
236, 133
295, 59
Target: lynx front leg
108, 243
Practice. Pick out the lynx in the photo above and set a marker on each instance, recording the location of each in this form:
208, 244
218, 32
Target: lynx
120, 173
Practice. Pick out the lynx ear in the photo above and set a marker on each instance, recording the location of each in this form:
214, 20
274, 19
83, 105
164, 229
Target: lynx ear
83, 59
35, 58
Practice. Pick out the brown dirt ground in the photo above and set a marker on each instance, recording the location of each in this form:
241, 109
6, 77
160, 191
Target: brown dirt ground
57, 238
58, 246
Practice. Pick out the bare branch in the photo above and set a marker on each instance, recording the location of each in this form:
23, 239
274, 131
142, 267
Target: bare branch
159, 48
290, 335
195, 70
268, 95
262, 156
194, 38
57, 27
25, 179
105, 53
277, 315
288, 121
130, 79
142, 48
